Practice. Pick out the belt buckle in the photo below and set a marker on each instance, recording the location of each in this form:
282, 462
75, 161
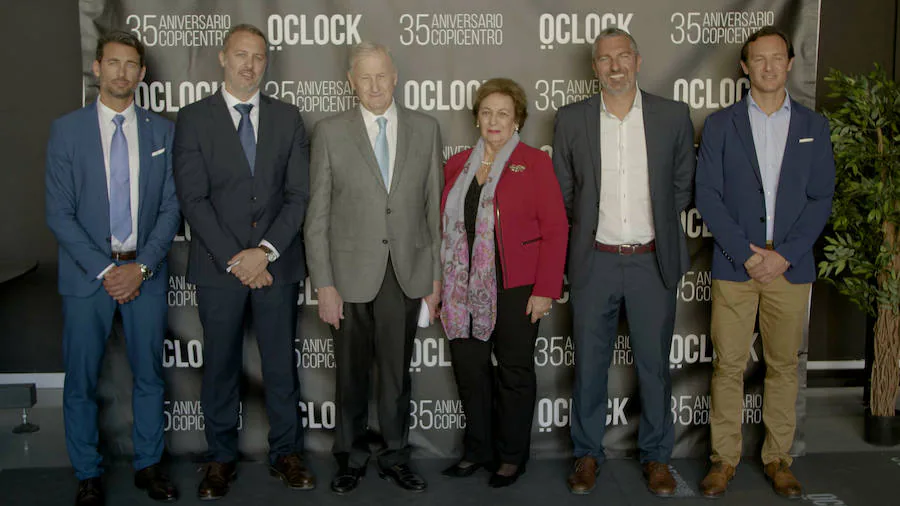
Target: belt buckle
622, 248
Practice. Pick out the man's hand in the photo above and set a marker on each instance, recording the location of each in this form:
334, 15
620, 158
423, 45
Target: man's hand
331, 306
264, 279
772, 265
433, 302
123, 282
538, 307
248, 264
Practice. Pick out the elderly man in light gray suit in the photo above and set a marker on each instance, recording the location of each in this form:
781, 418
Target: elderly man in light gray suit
373, 251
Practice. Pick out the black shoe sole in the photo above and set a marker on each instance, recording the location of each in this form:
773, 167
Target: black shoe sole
391, 479
278, 474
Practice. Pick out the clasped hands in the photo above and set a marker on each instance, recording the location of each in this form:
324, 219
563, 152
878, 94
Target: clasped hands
123, 282
250, 266
765, 265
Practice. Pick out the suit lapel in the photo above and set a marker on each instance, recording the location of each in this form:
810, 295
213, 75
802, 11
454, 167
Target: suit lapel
145, 144
223, 128
797, 124
361, 139
592, 128
741, 121
95, 172
404, 134
265, 137
653, 140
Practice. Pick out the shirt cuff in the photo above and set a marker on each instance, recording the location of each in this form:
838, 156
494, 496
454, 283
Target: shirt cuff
104, 271
269, 245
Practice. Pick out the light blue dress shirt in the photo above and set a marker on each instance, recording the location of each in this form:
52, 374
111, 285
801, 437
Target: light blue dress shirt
770, 137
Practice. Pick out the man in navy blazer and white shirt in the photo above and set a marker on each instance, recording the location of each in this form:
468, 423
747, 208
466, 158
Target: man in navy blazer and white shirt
110, 202
765, 180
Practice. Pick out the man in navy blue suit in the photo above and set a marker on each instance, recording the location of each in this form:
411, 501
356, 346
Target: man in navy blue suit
765, 179
111, 205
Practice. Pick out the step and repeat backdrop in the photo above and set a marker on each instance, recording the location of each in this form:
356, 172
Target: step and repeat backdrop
444, 51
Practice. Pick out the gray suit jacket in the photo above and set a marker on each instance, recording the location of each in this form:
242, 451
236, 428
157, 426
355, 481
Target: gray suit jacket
671, 161
353, 223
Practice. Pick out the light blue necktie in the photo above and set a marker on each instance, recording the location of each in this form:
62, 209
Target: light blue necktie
381, 149
119, 184
245, 132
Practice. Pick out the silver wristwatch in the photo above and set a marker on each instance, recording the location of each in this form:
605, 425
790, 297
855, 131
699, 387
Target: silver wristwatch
270, 255
146, 273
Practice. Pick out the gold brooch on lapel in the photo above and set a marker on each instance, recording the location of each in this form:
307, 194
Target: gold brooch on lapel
517, 168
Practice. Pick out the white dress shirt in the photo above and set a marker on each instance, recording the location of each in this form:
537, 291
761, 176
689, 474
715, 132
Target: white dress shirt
372, 129
231, 101
625, 215
130, 129
769, 138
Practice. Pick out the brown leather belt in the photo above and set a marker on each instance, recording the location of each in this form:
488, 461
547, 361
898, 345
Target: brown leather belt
626, 249
124, 255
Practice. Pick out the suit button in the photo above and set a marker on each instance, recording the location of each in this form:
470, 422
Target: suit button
253, 224
253, 198
760, 190
762, 219
384, 241
389, 211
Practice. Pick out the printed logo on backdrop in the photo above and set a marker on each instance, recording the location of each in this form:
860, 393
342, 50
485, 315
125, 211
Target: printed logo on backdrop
693, 410
179, 30
429, 352
182, 353
824, 500
428, 95
181, 293
436, 414
317, 415
169, 96
553, 94
313, 30
563, 29
709, 93
717, 27
555, 413
325, 96
457, 29
314, 353
695, 286
187, 416
555, 351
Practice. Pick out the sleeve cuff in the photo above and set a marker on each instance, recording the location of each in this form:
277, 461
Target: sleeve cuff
271, 247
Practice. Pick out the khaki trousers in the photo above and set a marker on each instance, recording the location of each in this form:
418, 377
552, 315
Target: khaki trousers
782, 310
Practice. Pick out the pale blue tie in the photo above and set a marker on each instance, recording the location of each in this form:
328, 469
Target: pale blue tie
381, 149
245, 132
119, 184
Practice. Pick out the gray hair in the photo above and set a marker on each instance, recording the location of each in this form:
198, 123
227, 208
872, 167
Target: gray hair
609, 33
367, 48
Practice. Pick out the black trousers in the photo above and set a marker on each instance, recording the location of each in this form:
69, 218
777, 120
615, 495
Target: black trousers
499, 404
222, 312
380, 333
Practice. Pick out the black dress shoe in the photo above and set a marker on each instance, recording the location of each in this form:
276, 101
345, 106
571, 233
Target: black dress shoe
218, 478
90, 493
457, 471
347, 479
293, 472
403, 476
156, 483
500, 481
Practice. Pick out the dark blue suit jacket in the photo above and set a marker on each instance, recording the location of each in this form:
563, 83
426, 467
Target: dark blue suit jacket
77, 203
730, 197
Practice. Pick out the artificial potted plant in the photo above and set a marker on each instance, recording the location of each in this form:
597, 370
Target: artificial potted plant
862, 252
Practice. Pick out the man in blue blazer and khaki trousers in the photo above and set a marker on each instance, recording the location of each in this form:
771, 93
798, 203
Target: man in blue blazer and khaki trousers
765, 180
111, 205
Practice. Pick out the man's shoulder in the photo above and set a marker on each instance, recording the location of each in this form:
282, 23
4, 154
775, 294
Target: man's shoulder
417, 117
280, 108
155, 120
578, 107
660, 103
816, 117
77, 118
196, 107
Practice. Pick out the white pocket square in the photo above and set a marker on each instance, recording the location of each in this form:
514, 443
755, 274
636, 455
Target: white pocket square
806, 139
163, 150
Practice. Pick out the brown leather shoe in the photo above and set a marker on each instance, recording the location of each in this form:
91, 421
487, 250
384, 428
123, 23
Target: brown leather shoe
218, 478
659, 479
584, 475
293, 472
716, 481
783, 480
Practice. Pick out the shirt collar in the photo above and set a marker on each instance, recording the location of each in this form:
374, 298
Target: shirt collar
107, 114
786, 106
390, 114
231, 100
637, 104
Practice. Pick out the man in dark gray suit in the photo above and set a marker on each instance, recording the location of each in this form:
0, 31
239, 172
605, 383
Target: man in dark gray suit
625, 162
373, 249
241, 162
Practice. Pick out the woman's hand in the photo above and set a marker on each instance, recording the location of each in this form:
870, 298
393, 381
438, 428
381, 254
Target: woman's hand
538, 307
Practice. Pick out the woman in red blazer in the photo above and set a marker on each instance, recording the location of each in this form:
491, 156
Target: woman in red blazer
504, 234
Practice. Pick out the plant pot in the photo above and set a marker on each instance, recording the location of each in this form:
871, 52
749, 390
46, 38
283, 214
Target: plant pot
882, 430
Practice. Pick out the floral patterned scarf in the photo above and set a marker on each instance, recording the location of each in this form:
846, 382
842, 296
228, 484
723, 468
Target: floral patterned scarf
471, 289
